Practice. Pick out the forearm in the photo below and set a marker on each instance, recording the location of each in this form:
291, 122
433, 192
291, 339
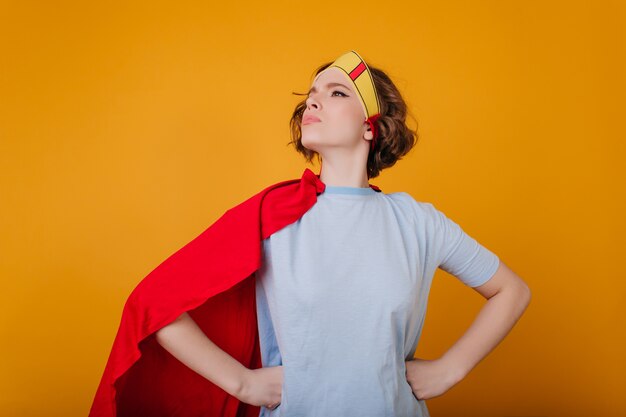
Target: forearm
188, 343
494, 321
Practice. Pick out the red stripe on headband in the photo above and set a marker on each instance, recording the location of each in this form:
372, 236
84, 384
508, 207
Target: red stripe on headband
358, 70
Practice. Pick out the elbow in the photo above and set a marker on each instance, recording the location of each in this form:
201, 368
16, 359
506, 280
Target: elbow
518, 294
524, 295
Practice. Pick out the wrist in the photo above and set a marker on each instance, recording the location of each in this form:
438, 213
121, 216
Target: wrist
454, 368
238, 384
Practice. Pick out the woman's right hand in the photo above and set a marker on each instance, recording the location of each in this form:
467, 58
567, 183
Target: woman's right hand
262, 386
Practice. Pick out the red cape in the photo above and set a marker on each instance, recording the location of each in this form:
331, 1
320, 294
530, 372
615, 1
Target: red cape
208, 278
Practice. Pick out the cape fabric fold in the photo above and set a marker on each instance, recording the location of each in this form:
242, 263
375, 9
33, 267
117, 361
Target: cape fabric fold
211, 278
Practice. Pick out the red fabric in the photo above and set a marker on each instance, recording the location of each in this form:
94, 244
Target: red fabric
211, 278
207, 278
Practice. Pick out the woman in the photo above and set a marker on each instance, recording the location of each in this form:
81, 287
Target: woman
341, 292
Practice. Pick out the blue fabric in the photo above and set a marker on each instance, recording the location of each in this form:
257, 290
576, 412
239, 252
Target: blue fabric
341, 299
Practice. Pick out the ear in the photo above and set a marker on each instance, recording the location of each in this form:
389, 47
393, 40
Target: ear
368, 134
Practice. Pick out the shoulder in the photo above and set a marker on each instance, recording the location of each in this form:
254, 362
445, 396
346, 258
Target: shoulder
422, 208
423, 213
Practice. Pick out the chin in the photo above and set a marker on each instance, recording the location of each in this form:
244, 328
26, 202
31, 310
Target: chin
312, 142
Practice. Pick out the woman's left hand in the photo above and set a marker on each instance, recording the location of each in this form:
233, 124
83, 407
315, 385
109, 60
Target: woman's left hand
430, 378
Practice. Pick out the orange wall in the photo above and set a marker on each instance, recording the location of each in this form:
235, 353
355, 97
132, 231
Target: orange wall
126, 130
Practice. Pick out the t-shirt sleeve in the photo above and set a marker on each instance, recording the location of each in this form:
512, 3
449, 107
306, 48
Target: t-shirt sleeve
460, 254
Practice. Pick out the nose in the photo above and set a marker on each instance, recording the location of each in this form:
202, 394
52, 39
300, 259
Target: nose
312, 103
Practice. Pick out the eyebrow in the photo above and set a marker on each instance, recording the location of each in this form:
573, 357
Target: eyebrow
313, 89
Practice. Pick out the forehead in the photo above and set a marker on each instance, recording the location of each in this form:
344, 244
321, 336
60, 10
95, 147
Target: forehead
332, 75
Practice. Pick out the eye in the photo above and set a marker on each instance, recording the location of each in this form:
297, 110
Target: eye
337, 91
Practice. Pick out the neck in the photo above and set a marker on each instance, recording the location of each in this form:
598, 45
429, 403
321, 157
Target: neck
344, 172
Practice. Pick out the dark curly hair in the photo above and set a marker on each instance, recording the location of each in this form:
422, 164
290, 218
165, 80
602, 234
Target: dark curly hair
395, 138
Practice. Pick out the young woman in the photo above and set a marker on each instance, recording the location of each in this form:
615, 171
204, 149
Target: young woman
341, 292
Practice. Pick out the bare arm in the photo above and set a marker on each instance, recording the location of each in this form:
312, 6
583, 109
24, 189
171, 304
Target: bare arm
507, 297
188, 343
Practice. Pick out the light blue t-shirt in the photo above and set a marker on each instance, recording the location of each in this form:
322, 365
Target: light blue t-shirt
341, 299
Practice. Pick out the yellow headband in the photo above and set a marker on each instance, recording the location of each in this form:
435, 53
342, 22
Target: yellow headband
354, 67
357, 71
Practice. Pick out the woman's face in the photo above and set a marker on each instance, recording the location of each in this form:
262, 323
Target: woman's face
333, 101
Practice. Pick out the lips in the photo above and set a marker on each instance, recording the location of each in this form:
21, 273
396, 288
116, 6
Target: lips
310, 119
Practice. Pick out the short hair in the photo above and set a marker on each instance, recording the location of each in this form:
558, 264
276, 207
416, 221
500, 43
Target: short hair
395, 139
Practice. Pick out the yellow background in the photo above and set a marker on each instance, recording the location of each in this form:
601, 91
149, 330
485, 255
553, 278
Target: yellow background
125, 130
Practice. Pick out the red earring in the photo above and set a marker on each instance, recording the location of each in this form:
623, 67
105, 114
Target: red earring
372, 122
